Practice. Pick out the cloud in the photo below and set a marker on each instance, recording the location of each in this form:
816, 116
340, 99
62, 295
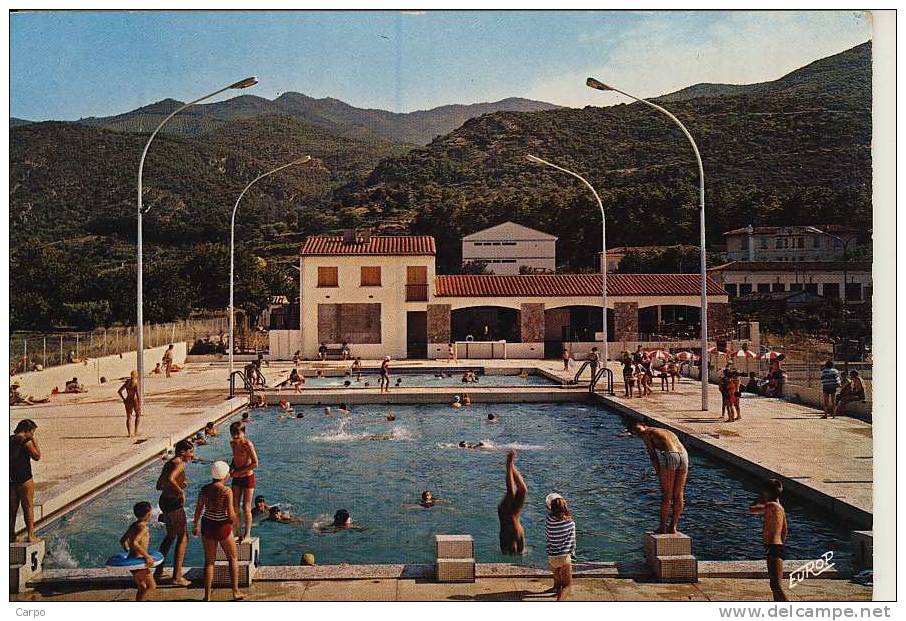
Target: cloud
665, 52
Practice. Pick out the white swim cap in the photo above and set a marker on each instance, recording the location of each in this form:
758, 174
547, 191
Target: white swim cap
550, 498
220, 470
386, 357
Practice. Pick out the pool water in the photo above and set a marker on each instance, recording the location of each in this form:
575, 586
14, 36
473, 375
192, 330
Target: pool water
377, 469
422, 380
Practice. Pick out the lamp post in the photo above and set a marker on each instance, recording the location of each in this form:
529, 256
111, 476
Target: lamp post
301, 160
139, 332
595, 84
538, 160
813, 229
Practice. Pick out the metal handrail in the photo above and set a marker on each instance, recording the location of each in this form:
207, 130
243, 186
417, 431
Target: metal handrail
597, 378
247, 384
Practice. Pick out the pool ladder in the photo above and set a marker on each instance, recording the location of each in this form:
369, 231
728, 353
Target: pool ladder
246, 382
603, 371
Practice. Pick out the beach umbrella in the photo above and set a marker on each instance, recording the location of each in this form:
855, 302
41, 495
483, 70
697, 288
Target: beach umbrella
685, 355
743, 353
659, 353
770, 355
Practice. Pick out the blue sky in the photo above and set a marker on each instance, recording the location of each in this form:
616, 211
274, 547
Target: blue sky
67, 65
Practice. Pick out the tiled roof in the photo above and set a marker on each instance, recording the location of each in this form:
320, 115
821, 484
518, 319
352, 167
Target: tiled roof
561, 285
793, 266
621, 250
769, 230
377, 245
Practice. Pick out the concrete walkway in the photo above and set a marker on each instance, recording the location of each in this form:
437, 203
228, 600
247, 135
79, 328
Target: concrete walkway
484, 589
83, 436
826, 461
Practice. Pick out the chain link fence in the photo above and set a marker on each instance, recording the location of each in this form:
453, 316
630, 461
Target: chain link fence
28, 351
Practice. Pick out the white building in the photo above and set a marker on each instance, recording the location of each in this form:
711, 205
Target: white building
789, 243
824, 278
509, 246
382, 297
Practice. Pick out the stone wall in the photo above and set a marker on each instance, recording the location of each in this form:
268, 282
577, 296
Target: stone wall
718, 319
439, 324
555, 319
532, 323
625, 321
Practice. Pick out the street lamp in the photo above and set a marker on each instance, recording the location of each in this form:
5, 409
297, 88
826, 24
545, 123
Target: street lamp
301, 160
595, 84
139, 332
538, 160
813, 229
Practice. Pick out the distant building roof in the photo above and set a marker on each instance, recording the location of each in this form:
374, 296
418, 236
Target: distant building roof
376, 245
621, 250
793, 266
560, 285
773, 230
510, 231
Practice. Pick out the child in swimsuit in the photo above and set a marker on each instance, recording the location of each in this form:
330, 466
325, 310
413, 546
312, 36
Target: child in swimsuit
774, 533
214, 518
245, 460
135, 541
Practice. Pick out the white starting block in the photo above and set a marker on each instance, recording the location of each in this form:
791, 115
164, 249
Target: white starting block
670, 557
26, 561
455, 558
247, 551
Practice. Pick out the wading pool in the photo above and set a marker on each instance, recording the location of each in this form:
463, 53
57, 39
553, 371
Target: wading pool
377, 469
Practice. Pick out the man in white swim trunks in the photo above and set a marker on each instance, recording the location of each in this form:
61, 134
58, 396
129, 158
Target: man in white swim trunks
671, 463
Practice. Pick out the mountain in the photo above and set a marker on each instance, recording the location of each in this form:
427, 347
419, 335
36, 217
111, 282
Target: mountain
14, 122
840, 72
794, 151
330, 114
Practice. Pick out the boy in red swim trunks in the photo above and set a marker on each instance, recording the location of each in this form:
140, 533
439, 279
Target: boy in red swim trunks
245, 460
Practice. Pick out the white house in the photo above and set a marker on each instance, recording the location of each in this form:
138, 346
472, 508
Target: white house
381, 296
509, 246
824, 278
789, 243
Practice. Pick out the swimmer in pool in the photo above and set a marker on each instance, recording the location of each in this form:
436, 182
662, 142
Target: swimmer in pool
512, 535
429, 500
276, 515
285, 406
455, 403
261, 507
341, 521
492, 418
399, 381
300, 415
347, 384
327, 411
390, 417
471, 445
344, 409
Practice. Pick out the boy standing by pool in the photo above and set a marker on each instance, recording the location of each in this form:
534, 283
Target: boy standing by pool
385, 375
245, 460
172, 484
135, 541
168, 361
774, 532
671, 463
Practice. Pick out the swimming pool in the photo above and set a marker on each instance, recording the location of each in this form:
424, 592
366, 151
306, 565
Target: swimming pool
377, 469
449, 378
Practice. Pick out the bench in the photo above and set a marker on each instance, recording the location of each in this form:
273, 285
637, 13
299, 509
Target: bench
334, 352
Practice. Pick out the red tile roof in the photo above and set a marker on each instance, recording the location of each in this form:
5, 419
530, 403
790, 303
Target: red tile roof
377, 245
769, 230
560, 285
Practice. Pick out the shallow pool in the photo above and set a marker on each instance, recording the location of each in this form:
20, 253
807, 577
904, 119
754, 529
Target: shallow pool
377, 469
422, 380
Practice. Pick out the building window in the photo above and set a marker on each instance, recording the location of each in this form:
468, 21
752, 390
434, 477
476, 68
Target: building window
764, 287
832, 290
371, 276
731, 290
778, 286
812, 288
853, 292
416, 283
328, 277
745, 288
795, 286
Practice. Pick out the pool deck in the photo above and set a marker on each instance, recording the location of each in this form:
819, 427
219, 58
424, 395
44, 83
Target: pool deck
494, 583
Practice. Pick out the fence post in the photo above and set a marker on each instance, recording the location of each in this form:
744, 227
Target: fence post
44, 356
61, 349
25, 354
105, 341
77, 344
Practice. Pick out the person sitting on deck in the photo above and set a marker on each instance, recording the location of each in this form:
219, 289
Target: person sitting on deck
322, 352
853, 390
344, 351
73, 385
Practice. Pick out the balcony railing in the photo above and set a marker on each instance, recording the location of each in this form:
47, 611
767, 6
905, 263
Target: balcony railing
416, 293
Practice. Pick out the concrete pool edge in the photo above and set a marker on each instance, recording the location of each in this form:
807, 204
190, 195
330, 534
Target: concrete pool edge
58, 506
837, 507
630, 570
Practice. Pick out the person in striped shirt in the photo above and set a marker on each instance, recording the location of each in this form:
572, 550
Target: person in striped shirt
830, 381
561, 543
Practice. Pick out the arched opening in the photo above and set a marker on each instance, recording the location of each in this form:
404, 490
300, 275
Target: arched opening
670, 320
573, 324
486, 323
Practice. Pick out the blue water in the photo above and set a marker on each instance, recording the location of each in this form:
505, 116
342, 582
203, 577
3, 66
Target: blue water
377, 469
427, 380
